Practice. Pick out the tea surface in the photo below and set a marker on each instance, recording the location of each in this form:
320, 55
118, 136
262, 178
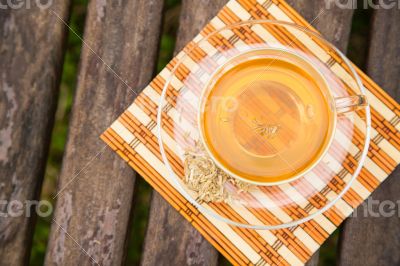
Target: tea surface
266, 118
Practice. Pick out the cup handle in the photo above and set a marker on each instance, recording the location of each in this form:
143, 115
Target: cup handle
350, 103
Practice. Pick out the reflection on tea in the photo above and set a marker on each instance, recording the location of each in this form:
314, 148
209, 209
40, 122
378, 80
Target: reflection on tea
266, 117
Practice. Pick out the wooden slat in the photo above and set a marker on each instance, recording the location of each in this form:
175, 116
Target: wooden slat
159, 230
370, 240
334, 23
170, 239
93, 208
31, 57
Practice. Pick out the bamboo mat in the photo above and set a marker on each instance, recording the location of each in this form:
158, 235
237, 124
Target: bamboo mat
133, 137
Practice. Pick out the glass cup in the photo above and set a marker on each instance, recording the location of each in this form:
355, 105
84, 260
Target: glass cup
264, 145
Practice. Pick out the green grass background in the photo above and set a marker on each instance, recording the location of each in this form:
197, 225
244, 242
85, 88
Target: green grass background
357, 52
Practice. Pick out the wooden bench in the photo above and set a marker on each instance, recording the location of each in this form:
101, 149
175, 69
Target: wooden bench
93, 211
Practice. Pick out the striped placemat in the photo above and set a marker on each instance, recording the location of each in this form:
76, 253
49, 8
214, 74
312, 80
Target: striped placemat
133, 137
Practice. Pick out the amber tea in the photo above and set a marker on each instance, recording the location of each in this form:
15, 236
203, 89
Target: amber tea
267, 116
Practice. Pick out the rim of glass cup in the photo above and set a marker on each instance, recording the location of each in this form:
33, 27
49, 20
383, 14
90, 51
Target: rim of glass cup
296, 176
206, 211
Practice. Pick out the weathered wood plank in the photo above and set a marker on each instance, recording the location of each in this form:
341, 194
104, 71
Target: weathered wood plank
31, 58
170, 239
333, 22
376, 240
96, 186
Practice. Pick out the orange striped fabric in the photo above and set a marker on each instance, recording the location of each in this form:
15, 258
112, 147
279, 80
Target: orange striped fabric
133, 137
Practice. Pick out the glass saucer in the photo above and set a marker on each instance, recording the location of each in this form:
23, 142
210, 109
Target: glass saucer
215, 192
